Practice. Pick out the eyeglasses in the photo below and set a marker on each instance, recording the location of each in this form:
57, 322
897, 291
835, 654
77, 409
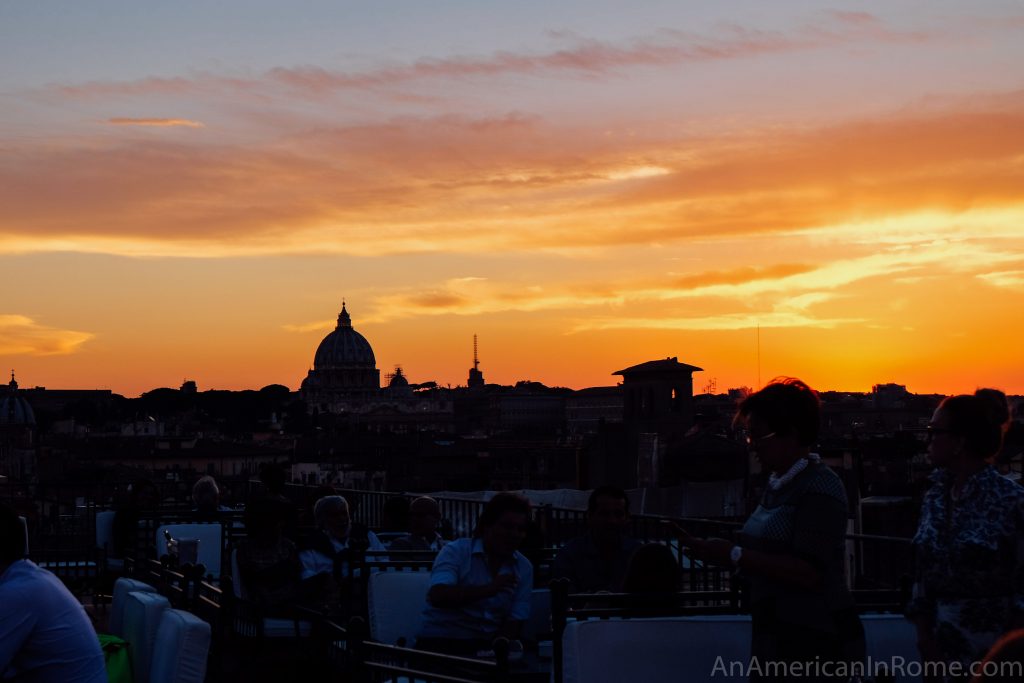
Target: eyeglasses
931, 432
751, 439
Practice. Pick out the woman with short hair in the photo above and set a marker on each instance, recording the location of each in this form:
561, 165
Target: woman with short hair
792, 548
969, 546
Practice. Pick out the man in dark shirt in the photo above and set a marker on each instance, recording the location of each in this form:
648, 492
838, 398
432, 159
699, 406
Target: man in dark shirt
424, 516
597, 561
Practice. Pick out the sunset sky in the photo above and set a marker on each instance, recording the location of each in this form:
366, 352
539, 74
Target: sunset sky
188, 190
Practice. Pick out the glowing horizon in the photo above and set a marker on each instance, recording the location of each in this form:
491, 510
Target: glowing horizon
585, 189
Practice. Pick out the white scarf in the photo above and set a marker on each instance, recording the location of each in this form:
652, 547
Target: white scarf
775, 482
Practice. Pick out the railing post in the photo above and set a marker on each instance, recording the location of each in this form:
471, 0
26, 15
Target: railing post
559, 617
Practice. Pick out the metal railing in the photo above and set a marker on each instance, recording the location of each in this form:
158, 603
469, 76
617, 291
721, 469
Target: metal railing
62, 520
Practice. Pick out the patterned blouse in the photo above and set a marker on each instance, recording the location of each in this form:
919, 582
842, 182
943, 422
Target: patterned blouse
969, 562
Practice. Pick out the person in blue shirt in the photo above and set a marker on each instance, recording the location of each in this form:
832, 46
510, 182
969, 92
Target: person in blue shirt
45, 634
480, 587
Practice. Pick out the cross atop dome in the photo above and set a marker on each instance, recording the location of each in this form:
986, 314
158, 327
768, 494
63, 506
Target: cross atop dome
344, 319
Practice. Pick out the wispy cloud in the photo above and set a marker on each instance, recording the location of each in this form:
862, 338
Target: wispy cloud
781, 295
583, 57
21, 335
155, 122
316, 326
1013, 279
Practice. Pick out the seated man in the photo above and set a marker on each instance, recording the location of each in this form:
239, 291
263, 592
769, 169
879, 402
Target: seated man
424, 515
597, 561
268, 563
480, 587
45, 634
329, 550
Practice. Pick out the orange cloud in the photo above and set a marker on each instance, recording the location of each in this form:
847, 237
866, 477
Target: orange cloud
158, 123
740, 275
21, 335
458, 184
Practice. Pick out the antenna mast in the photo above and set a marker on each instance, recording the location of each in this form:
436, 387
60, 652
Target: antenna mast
476, 361
758, 357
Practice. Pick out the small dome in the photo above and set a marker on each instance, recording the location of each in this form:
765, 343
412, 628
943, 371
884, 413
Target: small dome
14, 409
398, 380
344, 347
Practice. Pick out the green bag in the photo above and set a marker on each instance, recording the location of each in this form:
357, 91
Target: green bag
119, 663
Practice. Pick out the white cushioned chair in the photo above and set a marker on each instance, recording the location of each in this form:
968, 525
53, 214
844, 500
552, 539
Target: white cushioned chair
142, 614
655, 650
122, 587
891, 639
181, 649
395, 601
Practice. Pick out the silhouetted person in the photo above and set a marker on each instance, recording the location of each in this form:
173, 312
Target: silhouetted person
273, 478
143, 501
45, 634
597, 561
969, 587
424, 516
792, 549
206, 498
268, 563
395, 515
652, 569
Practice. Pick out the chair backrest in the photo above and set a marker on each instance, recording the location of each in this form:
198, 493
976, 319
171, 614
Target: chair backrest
395, 601
540, 614
656, 650
122, 587
236, 576
105, 530
382, 663
210, 542
24, 526
142, 614
891, 638
182, 647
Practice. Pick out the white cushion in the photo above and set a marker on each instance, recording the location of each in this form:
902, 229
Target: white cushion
122, 587
105, 529
182, 646
142, 614
654, 650
395, 602
891, 639
210, 542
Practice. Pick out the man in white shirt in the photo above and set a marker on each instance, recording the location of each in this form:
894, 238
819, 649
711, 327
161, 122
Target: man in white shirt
45, 634
329, 550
